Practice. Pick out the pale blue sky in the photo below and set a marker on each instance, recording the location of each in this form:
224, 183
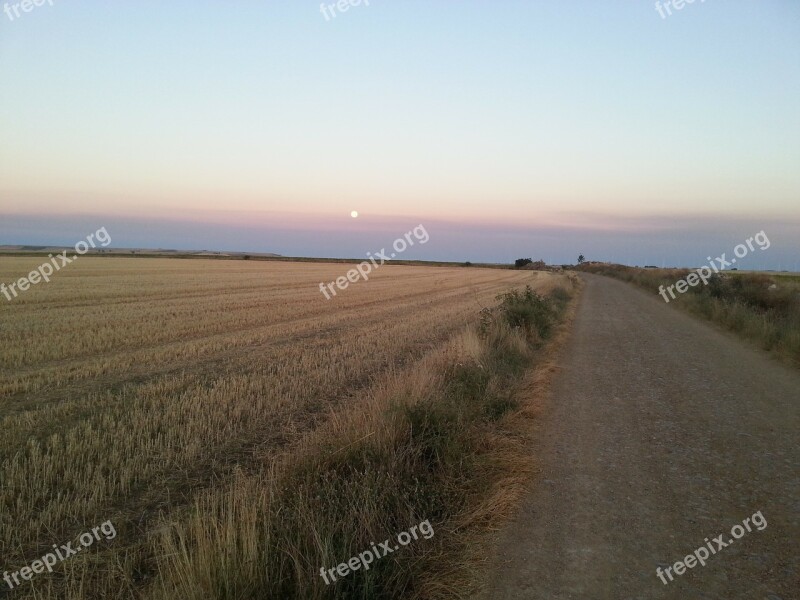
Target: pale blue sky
549, 124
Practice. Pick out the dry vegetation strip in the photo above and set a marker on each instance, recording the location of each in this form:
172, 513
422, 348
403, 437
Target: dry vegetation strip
142, 391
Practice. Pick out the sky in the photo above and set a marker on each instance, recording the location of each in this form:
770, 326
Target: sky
508, 129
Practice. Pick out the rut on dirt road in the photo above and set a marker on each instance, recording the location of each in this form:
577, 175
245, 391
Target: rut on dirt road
662, 431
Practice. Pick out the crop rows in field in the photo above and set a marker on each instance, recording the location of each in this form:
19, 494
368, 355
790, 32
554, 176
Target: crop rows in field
129, 385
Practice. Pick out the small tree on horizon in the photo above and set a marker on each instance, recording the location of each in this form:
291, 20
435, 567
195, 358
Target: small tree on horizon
521, 262
581, 259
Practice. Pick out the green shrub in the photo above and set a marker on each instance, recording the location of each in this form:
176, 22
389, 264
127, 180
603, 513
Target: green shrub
528, 311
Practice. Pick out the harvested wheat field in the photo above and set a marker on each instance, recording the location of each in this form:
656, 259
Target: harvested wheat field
176, 399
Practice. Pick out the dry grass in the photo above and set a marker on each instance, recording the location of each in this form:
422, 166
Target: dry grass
177, 397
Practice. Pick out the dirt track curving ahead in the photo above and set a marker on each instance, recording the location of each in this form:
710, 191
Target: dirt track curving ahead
662, 431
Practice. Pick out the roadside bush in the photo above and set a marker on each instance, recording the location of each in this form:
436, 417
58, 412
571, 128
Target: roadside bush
528, 311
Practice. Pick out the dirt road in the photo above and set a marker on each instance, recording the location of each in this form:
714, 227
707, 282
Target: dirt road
662, 432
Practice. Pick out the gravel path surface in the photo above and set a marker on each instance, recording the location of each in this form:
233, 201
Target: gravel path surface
662, 431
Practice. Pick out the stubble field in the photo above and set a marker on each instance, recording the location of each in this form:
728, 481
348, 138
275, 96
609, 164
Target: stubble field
133, 388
